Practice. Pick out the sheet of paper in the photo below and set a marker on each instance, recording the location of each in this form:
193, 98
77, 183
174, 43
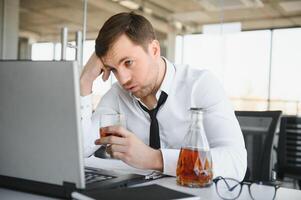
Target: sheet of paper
113, 164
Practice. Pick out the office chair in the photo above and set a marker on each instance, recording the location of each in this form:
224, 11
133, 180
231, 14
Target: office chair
289, 148
258, 128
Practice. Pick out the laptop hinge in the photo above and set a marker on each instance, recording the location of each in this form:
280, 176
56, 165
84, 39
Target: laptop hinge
68, 188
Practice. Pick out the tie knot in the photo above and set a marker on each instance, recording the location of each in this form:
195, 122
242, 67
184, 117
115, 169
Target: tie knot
152, 113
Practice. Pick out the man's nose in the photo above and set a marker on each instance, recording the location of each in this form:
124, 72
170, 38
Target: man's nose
124, 77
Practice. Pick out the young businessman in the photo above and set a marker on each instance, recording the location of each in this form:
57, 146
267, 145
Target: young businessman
155, 96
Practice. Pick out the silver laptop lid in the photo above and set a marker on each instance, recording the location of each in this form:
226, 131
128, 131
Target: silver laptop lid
40, 132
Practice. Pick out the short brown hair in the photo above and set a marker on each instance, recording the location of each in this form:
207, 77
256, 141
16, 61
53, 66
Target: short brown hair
136, 27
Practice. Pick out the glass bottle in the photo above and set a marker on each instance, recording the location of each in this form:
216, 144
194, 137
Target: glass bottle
194, 167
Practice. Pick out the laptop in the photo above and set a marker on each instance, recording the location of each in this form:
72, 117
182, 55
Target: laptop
41, 145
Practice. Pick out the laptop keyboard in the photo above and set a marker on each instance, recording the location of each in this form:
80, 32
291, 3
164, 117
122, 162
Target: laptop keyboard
93, 175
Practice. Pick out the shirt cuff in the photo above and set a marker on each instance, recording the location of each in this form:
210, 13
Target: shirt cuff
170, 161
86, 106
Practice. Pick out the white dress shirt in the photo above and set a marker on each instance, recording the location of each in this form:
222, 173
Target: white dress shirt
186, 87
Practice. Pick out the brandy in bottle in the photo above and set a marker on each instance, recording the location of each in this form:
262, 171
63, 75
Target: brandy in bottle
194, 167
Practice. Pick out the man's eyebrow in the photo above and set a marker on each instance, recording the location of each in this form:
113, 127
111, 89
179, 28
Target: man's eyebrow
106, 65
120, 61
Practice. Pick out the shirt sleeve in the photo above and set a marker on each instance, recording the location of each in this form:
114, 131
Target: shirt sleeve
222, 129
223, 132
90, 120
170, 161
89, 127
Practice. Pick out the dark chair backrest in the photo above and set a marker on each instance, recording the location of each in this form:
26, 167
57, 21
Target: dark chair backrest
289, 147
258, 128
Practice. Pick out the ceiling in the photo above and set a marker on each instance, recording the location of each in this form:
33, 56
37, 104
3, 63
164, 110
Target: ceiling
42, 20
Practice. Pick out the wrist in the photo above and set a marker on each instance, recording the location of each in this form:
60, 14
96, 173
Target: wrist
85, 86
157, 161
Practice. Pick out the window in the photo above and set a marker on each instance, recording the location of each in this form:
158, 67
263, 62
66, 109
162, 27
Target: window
42, 51
246, 69
242, 62
52, 51
286, 70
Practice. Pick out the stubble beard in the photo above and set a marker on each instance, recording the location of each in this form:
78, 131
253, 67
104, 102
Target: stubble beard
144, 91
148, 89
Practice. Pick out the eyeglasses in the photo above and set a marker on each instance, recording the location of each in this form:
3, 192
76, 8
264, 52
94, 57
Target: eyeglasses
229, 189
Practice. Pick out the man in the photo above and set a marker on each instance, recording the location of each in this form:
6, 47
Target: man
126, 45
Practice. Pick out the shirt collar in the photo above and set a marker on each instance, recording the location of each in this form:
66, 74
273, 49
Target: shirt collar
167, 80
168, 77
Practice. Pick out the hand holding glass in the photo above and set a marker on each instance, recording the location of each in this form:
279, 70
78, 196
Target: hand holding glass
110, 119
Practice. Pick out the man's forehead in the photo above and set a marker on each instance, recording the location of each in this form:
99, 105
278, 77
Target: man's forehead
114, 55
112, 60
122, 44
110, 56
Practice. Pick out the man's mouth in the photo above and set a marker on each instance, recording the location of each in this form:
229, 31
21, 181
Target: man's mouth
132, 88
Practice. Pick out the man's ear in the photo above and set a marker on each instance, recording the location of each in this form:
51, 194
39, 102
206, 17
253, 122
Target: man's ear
154, 48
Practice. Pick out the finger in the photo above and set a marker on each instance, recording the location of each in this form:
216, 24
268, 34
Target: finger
101, 71
117, 155
110, 140
117, 148
106, 75
117, 130
113, 140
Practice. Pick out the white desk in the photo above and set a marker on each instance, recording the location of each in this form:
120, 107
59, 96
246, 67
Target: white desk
204, 193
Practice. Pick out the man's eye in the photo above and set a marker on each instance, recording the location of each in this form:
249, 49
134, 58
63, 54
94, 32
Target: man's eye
128, 63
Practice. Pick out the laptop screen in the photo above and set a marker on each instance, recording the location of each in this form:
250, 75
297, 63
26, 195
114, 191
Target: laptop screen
40, 122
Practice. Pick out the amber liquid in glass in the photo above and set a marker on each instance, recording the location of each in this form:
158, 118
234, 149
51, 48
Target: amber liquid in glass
102, 133
194, 168
105, 134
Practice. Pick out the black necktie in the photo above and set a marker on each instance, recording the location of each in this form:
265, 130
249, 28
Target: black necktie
154, 137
